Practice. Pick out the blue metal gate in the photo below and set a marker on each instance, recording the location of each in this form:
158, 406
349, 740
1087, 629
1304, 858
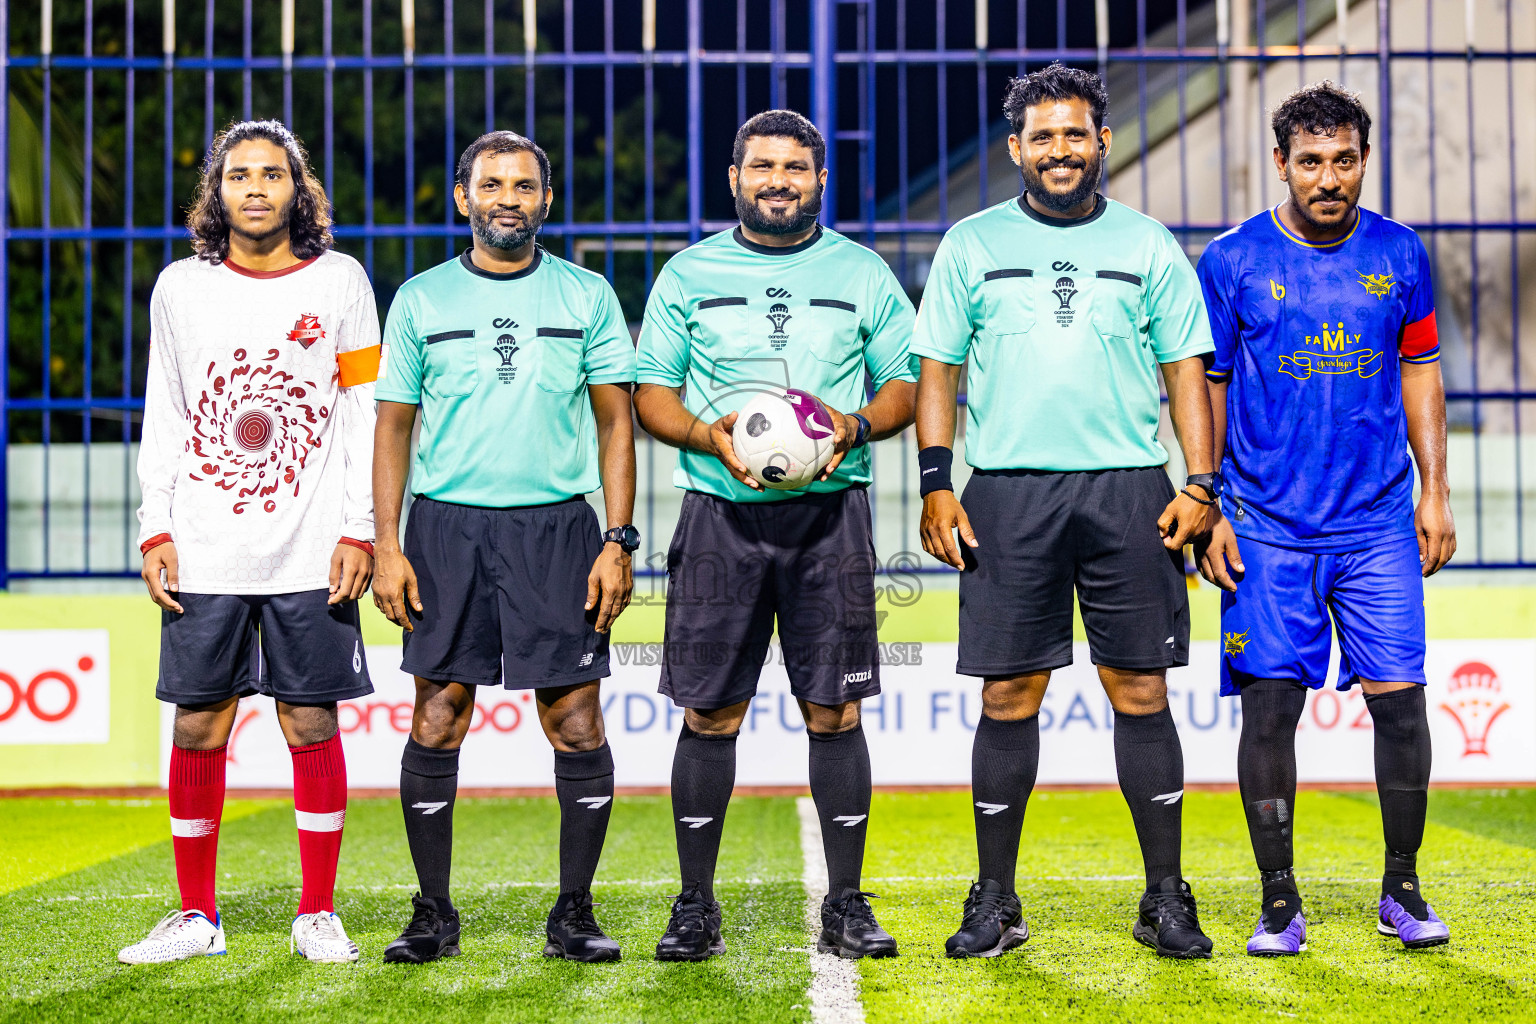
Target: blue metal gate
110, 103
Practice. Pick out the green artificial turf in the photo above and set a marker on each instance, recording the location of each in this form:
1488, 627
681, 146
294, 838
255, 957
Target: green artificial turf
45, 838
1079, 876
505, 874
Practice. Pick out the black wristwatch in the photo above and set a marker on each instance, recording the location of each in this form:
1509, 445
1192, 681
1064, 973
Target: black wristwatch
626, 537
1213, 484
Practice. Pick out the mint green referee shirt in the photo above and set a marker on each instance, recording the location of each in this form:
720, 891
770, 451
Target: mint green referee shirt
1064, 323
500, 364
728, 318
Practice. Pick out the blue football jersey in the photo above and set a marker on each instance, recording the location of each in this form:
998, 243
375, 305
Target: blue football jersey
1309, 336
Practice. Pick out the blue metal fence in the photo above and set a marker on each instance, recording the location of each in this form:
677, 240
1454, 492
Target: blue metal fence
907, 90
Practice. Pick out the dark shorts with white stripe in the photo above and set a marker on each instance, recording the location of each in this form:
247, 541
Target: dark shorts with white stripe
294, 647
735, 567
504, 592
1043, 534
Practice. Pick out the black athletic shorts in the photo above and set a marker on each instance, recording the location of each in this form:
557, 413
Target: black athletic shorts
293, 647
504, 591
735, 567
1040, 535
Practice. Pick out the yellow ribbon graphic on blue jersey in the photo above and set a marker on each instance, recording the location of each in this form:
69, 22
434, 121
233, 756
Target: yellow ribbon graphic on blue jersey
1301, 365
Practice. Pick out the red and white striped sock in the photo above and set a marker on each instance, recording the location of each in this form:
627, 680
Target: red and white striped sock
320, 804
197, 803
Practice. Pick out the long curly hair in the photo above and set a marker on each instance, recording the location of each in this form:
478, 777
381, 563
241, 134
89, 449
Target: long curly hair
309, 218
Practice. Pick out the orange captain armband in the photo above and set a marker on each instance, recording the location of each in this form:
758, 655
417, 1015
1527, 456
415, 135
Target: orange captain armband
359, 366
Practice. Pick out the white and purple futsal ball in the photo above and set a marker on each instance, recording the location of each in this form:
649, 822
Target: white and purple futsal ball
784, 437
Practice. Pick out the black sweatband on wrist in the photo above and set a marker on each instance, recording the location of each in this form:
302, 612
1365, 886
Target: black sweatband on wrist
861, 438
933, 465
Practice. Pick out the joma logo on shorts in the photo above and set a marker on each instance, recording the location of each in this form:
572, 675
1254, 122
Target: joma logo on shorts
859, 677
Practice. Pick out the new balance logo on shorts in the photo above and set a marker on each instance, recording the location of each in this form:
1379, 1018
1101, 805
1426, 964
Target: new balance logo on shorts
1169, 798
430, 808
586, 659
594, 802
850, 820
991, 808
696, 822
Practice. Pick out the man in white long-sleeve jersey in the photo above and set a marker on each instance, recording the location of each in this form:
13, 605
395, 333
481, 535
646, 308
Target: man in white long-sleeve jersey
257, 521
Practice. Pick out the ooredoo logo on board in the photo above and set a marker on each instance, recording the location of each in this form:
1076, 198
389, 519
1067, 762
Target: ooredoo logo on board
55, 686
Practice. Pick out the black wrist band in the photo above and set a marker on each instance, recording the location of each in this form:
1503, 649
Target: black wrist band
1210, 483
933, 465
1195, 497
861, 438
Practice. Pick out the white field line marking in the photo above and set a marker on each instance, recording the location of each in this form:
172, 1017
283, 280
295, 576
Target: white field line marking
834, 991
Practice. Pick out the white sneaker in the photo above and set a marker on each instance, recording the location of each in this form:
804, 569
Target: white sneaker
322, 939
180, 935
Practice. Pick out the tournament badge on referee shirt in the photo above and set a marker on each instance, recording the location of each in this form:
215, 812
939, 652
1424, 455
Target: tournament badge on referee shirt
1064, 291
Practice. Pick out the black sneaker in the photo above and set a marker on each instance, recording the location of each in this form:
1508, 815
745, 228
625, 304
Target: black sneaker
693, 933
992, 923
849, 928
1169, 923
432, 933
573, 931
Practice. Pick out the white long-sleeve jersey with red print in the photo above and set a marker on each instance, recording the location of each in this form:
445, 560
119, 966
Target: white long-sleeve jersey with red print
257, 453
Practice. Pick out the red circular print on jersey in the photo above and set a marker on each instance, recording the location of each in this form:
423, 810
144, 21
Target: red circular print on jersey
253, 430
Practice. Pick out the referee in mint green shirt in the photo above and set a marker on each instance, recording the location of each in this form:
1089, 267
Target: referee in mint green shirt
1064, 304
778, 302
521, 366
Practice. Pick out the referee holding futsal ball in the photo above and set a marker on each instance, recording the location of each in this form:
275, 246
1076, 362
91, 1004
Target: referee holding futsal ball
1065, 303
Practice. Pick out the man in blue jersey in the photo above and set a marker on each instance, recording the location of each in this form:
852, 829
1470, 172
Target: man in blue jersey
1310, 303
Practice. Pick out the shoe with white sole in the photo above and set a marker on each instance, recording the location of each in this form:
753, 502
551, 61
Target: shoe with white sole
322, 939
180, 935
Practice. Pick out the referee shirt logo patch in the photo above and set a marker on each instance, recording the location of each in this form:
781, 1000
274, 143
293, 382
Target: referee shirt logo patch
1065, 291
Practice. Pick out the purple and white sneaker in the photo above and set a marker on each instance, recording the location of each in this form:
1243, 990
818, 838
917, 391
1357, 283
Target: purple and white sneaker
1415, 934
1287, 942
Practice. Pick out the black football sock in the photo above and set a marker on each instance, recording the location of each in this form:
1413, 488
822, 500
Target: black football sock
1401, 720
1266, 775
1150, 764
1005, 757
584, 787
703, 775
429, 782
840, 785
